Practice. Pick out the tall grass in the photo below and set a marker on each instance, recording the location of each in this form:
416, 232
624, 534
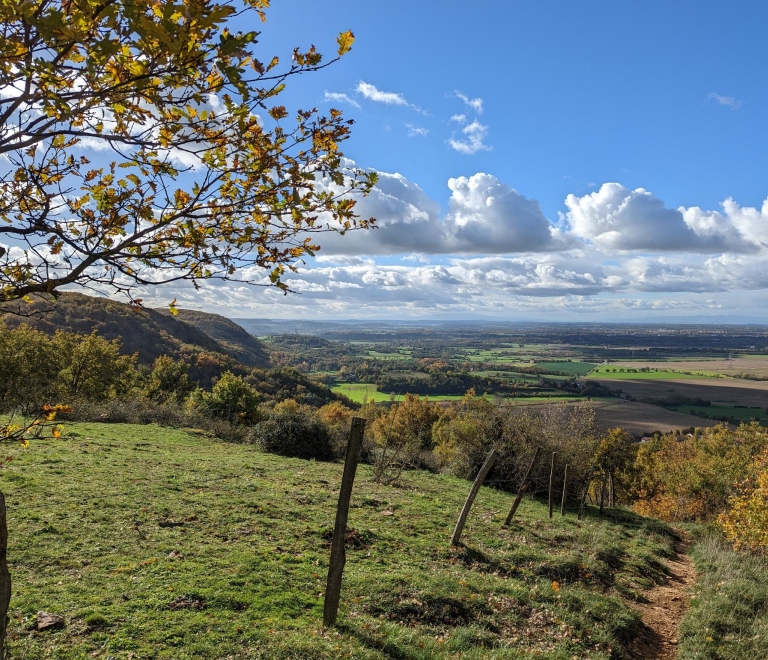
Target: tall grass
728, 618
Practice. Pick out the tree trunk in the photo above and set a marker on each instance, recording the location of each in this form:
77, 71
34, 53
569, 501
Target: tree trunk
584, 496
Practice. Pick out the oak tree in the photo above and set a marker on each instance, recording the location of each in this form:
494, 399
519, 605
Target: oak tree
142, 142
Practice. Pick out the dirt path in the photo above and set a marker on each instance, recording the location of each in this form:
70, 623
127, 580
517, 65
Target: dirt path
665, 607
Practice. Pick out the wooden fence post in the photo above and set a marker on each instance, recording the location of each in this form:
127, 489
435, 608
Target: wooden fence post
521, 490
471, 497
338, 553
5, 576
611, 491
586, 492
602, 491
551, 482
565, 490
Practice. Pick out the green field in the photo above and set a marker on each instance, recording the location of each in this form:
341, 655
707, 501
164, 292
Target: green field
716, 410
577, 368
169, 545
614, 373
360, 392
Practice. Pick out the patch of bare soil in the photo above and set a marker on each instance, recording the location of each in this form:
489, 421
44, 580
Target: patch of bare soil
665, 608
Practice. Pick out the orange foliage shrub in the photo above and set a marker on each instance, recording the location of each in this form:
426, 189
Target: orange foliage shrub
692, 477
746, 523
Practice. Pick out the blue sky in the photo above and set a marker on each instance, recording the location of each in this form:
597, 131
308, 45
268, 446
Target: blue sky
574, 92
579, 161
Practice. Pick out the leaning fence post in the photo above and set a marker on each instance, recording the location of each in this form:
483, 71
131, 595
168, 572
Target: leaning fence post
471, 497
586, 492
338, 553
521, 490
565, 490
551, 482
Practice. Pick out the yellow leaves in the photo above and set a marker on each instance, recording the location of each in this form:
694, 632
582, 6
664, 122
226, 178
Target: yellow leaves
555, 586
278, 112
56, 432
25, 443
345, 41
173, 309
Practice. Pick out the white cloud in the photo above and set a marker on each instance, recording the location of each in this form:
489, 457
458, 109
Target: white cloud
472, 140
373, 93
728, 101
475, 104
460, 118
417, 131
340, 97
616, 218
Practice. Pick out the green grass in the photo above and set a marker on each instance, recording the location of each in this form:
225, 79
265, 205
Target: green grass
360, 392
728, 617
716, 410
91, 537
662, 374
577, 368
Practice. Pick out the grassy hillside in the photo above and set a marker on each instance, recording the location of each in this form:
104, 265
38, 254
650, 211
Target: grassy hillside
158, 543
148, 332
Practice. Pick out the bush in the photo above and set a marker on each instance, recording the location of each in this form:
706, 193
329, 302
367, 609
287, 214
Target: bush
169, 381
746, 522
231, 399
294, 434
693, 477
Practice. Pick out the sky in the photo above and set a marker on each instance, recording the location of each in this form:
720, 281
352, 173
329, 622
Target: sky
558, 160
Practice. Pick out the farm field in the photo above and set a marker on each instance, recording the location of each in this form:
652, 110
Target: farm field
576, 368
359, 392
739, 413
757, 365
641, 419
611, 372
171, 545
729, 391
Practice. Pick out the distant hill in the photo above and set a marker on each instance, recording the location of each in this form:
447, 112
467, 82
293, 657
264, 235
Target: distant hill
148, 332
235, 339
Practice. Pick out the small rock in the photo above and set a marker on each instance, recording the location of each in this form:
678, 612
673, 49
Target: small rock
387, 513
48, 621
175, 555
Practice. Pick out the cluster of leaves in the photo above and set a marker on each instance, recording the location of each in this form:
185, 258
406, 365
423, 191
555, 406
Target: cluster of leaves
37, 369
692, 476
207, 177
745, 523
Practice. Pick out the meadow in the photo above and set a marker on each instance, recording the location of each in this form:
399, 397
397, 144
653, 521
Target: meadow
159, 543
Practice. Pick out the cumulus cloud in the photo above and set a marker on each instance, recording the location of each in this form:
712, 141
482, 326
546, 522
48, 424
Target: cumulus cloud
616, 218
416, 131
340, 97
476, 104
373, 93
728, 101
471, 139
485, 216
488, 216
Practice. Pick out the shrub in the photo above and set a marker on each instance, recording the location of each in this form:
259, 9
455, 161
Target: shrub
169, 381
693, 477
746, 522
231, 399
401, 434
294, 434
